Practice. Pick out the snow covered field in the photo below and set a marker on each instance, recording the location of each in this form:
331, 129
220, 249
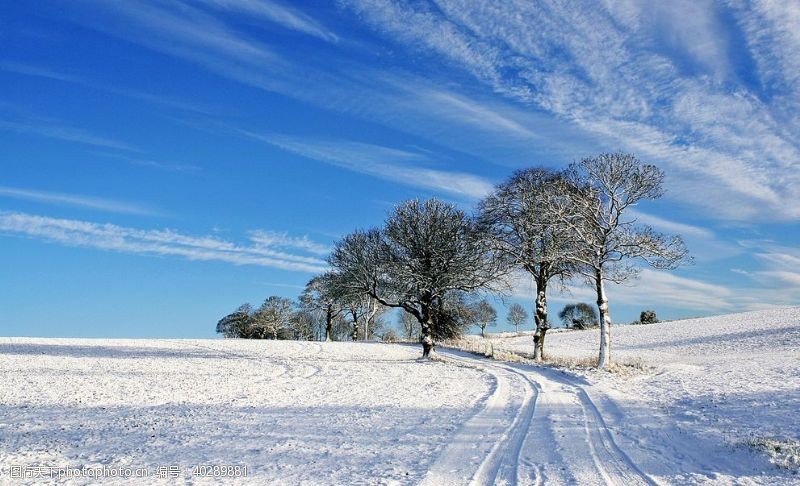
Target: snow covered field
355, 413
294, 413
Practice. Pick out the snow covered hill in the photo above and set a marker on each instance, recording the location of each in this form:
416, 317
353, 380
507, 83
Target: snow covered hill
710, 402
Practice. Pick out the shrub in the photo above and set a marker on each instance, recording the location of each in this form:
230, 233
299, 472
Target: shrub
648, 317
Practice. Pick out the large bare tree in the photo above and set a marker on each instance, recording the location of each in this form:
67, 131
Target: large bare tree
425, 251
516, 216
601, 190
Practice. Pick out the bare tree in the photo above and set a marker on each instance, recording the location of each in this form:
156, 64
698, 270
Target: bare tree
594, 211
319, 296
517, 315
425, 251
516, 215
484, 315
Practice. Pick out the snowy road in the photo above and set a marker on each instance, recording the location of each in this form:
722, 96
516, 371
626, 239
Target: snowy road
538, 426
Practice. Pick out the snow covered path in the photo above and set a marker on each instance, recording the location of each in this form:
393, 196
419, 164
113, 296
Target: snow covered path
539, 426
711, 402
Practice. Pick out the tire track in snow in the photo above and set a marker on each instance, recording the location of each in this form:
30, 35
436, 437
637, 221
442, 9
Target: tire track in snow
488, 448
550, 432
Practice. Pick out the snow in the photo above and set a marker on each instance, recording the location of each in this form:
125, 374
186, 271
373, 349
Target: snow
710, 401
724, 382
294, 413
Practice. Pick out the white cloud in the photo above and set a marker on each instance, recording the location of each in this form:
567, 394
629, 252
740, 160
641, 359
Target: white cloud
387, 163
268, 239
90, 202
274, 12
608, 73
670, 226
603, 74
266, 252
652, 288
68, 134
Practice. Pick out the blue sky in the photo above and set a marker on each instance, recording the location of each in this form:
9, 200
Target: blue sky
163, 162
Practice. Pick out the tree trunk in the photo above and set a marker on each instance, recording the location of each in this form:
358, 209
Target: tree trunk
604, 359
541, 319
328, 324
483, 333
373, 309
426, 337
354, 335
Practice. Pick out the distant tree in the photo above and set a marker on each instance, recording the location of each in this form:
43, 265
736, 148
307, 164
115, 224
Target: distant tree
359, 307
302, 325
593, 209
517, 315
484, 315
236, 324
524, 231
425, 251
648, 317
453, 315
410, 325
390, 336
319, 298
578, 316
273, 318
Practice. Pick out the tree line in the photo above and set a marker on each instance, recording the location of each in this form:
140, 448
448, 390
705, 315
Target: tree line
429, 258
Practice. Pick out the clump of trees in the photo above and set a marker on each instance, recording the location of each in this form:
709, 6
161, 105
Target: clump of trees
576, 223
429, 257
578, 316
276, 318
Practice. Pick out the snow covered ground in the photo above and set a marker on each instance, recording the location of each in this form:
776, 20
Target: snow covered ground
355, 413
716, 383
293, 413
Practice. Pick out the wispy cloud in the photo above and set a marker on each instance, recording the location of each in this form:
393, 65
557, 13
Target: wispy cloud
426, 107
153, 164
285, 253
661, 82
270, 239
664, 224
185, 32
65, 133
652, 288
275, 12
636, 80
58, 198
157, 99
382, 162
